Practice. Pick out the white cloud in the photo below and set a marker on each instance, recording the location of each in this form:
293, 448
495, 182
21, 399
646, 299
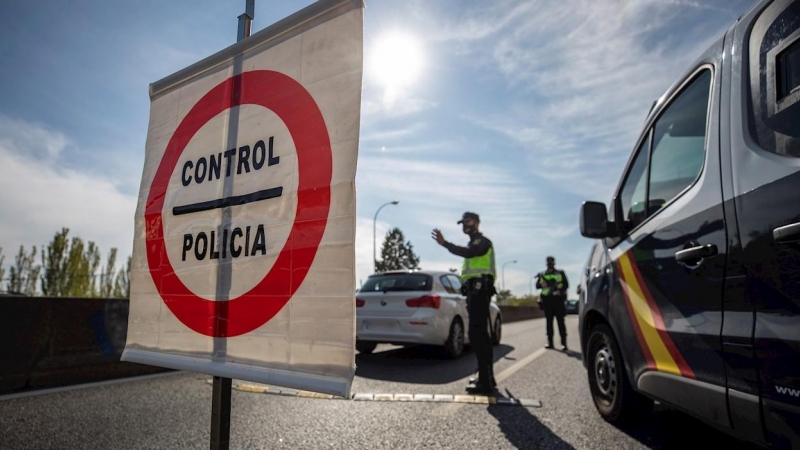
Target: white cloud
438, 148
436, 193
583, 74
379, 105
30, 140
392, 134
38, 197
475, 27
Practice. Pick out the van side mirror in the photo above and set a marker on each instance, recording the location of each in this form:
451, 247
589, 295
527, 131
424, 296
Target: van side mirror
594, 220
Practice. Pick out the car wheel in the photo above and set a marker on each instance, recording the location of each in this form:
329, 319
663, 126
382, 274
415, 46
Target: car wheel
613, 396
497, 332
454, 345
365, 347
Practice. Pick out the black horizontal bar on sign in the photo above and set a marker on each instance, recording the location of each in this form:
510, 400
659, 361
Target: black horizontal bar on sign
235, 200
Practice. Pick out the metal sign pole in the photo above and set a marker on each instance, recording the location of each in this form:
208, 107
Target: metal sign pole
246, 19
221, 394
221, 414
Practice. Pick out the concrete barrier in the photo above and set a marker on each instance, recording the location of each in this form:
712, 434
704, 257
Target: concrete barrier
518, 313
48, 342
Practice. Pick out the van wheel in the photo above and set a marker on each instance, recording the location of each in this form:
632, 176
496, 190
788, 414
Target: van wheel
454, 345
497, 332
613, 396
365, 347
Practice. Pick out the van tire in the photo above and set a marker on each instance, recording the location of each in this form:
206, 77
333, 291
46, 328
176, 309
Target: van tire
613, 396
454, 346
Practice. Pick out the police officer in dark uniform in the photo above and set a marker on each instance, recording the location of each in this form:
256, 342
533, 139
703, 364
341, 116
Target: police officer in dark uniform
553, 283
477, 279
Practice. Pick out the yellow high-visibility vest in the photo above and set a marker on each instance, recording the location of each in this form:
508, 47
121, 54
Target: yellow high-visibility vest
553, 278
479, 265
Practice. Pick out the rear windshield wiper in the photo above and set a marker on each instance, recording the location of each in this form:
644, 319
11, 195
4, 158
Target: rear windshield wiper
399, 289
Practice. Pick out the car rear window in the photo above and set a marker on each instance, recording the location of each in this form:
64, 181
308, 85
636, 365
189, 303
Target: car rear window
398, 282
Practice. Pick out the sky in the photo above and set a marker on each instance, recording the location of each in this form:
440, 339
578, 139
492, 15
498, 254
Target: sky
515, 110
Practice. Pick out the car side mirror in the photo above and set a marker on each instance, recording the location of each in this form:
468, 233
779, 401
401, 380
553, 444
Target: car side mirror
594, 220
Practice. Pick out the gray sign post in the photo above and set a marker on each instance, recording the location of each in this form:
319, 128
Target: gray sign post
221, 394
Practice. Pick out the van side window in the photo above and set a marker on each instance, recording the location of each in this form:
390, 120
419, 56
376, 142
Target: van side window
661, 171
775, 81
679, 143
634, 191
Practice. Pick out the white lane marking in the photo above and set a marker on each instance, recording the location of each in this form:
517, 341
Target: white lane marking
451, 408
519, 365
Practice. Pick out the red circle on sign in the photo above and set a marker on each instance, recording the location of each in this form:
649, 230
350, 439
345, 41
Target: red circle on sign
290, 101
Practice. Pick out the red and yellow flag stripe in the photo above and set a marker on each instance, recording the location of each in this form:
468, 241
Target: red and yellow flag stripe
659, 350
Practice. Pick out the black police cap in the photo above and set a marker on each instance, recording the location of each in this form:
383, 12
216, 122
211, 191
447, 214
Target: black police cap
469, 215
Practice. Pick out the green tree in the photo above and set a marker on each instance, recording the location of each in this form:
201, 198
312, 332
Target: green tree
525, 300
54, 265
69, 267
396, 254
24, 274
503, 296
122, 285
90, 266
107, 277
2, 268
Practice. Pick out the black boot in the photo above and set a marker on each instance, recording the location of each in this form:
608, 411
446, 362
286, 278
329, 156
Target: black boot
480, 388
474, 380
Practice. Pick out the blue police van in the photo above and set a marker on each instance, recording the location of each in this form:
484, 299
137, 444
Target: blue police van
691, 295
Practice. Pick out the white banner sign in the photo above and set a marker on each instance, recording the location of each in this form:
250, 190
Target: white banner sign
243, 261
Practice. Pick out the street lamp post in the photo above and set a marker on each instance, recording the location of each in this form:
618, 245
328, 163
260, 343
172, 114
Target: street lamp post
374, 235
504, 272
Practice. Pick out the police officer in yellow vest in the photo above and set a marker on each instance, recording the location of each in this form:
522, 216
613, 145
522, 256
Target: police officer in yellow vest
477, 278
553, 284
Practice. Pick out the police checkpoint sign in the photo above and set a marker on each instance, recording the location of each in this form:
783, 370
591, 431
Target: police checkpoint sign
243, 261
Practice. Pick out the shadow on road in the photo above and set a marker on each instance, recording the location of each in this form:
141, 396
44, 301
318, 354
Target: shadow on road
659, 432
420, 365
524, 430
574, 354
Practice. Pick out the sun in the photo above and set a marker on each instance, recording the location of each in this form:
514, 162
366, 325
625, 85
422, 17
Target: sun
396, 60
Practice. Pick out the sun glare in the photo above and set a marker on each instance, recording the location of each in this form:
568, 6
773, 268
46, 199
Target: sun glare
397, 60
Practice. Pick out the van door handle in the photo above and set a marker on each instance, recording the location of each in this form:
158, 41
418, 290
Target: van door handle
787, 233
694, 254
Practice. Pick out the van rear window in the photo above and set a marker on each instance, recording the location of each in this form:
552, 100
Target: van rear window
775, 80
398, 282
788, 70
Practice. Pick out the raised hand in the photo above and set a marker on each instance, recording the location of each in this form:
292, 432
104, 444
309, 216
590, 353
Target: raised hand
437, 235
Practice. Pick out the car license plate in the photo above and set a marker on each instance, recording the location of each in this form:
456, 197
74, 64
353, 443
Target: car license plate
381, 325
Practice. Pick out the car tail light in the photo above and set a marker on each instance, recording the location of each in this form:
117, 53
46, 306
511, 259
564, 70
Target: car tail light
427, 301
360, 303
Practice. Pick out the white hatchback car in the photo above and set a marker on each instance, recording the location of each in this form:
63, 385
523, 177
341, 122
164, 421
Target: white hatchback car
416, 307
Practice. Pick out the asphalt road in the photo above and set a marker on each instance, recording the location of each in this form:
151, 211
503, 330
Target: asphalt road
174, 412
